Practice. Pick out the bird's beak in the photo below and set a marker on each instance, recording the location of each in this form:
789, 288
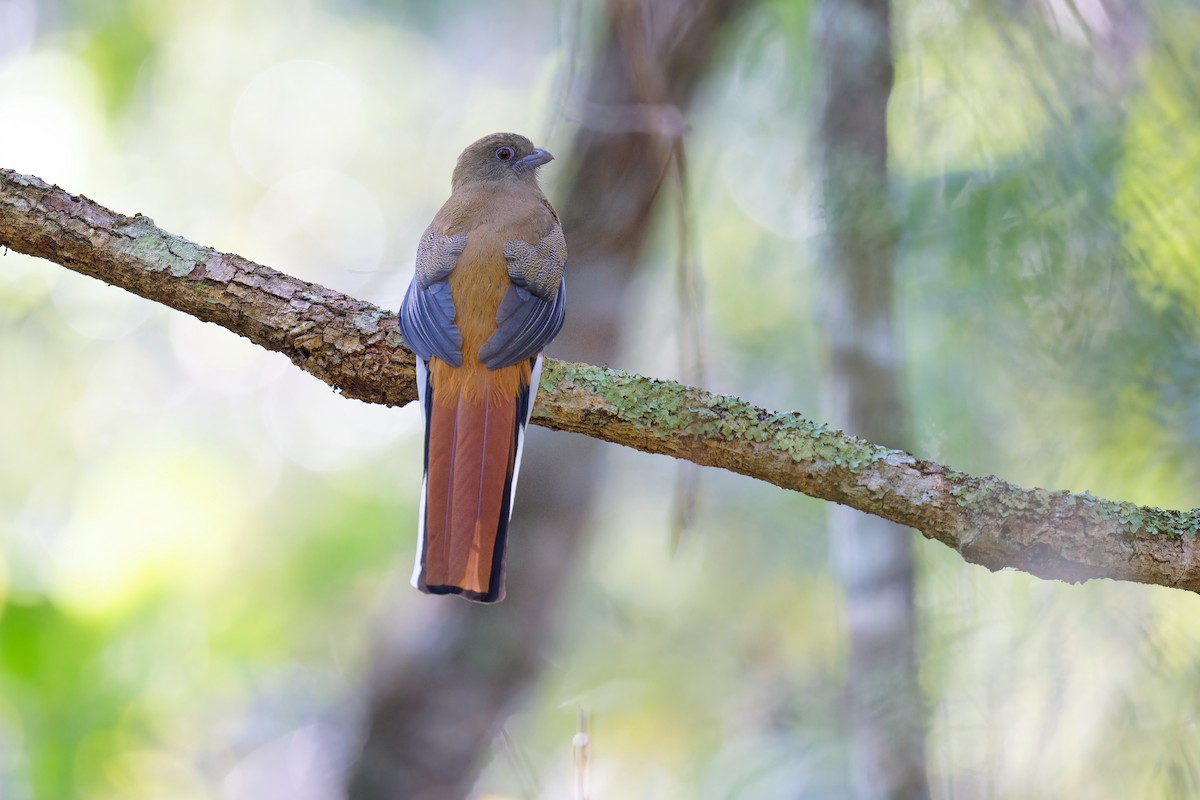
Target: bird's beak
536, 159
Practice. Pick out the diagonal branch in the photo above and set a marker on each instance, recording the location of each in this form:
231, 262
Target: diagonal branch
356, 347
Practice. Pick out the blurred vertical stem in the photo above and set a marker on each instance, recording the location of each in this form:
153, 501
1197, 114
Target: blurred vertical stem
870, 556
441, 693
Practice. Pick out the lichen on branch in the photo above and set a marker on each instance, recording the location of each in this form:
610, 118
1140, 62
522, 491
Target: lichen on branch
356, 347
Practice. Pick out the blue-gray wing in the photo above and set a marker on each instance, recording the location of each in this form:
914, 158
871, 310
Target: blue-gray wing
525, 325
534, 305
427, 322
427, 313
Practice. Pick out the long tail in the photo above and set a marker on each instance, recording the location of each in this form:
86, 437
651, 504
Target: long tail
472, 455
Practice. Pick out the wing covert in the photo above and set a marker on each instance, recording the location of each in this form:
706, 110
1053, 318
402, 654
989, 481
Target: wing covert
538, 267
534, 306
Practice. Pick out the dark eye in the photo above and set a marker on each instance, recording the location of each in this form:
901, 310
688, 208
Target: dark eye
504, 153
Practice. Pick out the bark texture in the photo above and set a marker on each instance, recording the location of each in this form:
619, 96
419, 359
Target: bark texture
354, 346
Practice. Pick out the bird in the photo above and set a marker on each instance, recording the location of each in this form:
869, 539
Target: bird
487, 295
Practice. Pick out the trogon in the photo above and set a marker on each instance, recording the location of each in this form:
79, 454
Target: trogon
488, 295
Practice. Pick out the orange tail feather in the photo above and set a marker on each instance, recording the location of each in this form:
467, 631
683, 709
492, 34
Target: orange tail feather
471, 448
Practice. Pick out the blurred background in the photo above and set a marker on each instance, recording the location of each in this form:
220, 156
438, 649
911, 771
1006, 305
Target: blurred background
965, 228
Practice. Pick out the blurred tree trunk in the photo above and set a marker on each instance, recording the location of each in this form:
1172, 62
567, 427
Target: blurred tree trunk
870, 556
444, 687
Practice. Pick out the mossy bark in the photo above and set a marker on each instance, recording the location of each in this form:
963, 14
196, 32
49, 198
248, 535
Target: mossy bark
355, 347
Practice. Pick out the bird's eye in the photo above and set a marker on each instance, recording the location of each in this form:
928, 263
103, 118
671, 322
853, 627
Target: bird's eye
504, 153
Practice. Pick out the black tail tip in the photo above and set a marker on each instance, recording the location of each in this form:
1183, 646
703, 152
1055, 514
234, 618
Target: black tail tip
493, 595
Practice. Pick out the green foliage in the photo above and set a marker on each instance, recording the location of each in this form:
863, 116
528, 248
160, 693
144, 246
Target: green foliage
63, 700
118, 40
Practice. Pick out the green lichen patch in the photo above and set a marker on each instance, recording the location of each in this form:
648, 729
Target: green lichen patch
1154, 521
159, 251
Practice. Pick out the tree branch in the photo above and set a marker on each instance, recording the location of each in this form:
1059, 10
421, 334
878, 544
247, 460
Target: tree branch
355, 347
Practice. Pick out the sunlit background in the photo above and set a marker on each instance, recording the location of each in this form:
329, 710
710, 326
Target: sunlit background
199, 543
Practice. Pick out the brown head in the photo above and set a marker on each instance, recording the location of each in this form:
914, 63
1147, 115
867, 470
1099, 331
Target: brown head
499, 157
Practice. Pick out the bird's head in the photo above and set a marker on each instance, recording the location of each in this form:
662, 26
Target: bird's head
497, 157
